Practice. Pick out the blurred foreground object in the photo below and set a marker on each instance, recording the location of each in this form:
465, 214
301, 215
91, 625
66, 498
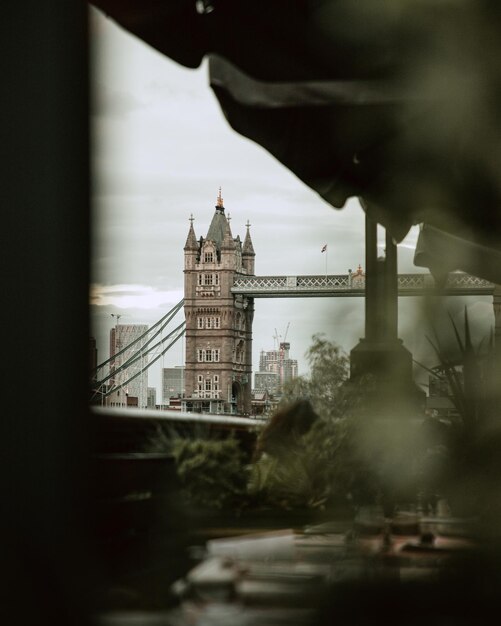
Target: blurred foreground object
396, 103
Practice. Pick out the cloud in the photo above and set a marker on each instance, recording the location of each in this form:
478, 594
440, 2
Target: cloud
132, 296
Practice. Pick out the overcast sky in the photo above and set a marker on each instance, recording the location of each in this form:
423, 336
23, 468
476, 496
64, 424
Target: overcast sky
161, 149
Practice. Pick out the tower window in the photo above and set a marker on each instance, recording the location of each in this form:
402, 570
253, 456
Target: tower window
208, 322
207, 280
209, 355
209, 257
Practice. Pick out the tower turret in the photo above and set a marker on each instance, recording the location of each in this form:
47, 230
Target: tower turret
191, 247
248, 253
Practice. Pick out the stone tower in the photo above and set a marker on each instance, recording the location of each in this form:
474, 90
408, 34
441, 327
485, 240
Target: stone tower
218, 371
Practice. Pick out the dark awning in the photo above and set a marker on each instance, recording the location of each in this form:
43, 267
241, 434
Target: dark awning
394, 102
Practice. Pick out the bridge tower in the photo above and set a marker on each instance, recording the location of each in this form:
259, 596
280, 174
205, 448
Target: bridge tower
218, 371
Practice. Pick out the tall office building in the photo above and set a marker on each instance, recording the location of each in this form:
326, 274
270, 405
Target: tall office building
151, 397
134, 378
172, 383
276, 368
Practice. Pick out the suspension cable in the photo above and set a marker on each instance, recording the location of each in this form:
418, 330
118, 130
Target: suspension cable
170, 315
140, 354
181, 328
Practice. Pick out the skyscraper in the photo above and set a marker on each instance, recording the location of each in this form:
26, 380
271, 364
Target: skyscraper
134, 378
172, 383
276, 368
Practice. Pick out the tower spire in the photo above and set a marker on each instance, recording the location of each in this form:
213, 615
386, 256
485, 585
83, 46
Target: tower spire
191, 241
248, 253
219, 201
248, 248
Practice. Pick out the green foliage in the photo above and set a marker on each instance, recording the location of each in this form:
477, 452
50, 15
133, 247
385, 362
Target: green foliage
329, 369
473, 380
212, 471
315, 469
307, 455
456, 468
468, 389
160, 440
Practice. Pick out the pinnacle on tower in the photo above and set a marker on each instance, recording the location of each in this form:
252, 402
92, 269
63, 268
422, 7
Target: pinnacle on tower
228, 242
219, 201
248, 248
191, 240
219, 225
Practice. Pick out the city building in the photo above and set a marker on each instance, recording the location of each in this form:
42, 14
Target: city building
263, 403
172, 383
133, 380
276, 368
267, 381
151, 398
218, 370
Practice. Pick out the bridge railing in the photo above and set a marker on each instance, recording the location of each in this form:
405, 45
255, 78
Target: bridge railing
290, 283
354, 284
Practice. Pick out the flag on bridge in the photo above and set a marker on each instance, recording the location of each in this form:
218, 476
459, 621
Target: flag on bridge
324, 248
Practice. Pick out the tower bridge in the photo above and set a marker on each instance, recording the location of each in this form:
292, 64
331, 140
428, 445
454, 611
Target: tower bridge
353, 285
219, 291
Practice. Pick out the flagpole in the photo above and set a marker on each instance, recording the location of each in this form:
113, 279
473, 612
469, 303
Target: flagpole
324, 249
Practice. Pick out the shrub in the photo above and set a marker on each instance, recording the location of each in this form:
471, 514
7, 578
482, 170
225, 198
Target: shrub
212, 472
314, 469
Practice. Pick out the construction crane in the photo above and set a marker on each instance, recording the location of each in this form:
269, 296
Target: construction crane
286, 331
276, 338
282, 343
281, 346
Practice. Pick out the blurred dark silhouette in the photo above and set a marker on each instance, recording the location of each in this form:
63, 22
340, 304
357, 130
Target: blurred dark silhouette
285, 427
397, 103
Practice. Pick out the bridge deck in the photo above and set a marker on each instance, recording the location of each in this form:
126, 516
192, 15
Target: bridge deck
348, 285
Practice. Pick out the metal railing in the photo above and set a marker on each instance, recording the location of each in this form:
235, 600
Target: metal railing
354, 285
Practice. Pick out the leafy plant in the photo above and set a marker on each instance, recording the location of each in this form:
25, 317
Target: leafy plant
314, 469
329, 370
472, 376
307, 456
466, 376
213, 472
